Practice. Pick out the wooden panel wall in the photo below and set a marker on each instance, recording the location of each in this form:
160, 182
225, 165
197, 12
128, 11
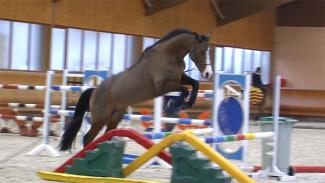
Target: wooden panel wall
303, 102
128, 17
28, 11
299, 56
26, 78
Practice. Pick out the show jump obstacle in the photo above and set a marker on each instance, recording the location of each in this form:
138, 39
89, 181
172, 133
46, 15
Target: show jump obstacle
91, 153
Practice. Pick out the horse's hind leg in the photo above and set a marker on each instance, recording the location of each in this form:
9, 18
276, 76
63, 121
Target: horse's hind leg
117, 116
97, 123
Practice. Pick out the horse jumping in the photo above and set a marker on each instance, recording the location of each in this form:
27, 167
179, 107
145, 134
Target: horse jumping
159, 70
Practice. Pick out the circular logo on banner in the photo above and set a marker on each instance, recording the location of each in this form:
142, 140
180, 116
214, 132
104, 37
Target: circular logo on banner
230, 116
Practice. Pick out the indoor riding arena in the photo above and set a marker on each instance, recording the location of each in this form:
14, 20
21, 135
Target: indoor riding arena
158, 91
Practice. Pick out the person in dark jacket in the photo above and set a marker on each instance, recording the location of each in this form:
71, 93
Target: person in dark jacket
257, 79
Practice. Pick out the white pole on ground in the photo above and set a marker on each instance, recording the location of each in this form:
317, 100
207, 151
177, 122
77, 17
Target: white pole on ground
158, 101
46, 123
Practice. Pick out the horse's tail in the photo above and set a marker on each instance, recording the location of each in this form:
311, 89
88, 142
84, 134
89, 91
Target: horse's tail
72, 129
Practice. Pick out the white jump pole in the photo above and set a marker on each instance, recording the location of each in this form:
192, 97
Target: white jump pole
274, 169
63, 100
215, 102
126, 123
246, 116
157, 118
46, 123
276, 112
158, 101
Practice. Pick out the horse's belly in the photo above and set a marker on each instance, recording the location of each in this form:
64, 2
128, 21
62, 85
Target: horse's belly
131, 92
131, 97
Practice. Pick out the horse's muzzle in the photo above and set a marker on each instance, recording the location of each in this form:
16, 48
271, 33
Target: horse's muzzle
207, 73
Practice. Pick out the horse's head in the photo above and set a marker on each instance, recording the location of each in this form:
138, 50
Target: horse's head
200, 54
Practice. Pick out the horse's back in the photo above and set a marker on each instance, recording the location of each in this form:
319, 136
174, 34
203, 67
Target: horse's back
128, 87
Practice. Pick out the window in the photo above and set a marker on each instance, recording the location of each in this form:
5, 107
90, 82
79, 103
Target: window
119, 55
89, 50
36, 43
237, 61
57, 49
74, 50
20, 45
104, 50
240, 61
19, 51
266, 66
148, 42
4, 44
228, 60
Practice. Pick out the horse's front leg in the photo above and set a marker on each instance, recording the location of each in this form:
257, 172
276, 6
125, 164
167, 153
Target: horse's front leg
184, 91
186, 80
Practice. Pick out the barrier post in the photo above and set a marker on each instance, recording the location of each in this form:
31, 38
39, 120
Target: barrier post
224, 121
157, 119
246, 116
157, 114
215, 102
63, 100
272, 170
46, 120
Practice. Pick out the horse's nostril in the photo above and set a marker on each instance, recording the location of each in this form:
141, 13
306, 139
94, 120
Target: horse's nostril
206, 75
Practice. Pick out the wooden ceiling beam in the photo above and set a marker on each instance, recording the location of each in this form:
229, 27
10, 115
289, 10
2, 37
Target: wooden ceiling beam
302, 13
228, 11
153, 6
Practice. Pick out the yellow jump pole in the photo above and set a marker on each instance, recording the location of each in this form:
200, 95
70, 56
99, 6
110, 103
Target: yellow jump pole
153, 151
64, 177
196, 143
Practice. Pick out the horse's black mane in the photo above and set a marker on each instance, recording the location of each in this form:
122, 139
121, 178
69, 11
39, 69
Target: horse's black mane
171, 35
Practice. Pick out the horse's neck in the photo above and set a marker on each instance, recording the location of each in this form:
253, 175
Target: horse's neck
180, 46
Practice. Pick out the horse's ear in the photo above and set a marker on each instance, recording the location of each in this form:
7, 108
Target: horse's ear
205, 38
208, 35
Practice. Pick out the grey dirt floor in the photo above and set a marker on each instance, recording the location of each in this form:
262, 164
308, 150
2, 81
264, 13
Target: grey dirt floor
307, 148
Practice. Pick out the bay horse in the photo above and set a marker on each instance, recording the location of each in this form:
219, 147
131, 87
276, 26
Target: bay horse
159, 70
